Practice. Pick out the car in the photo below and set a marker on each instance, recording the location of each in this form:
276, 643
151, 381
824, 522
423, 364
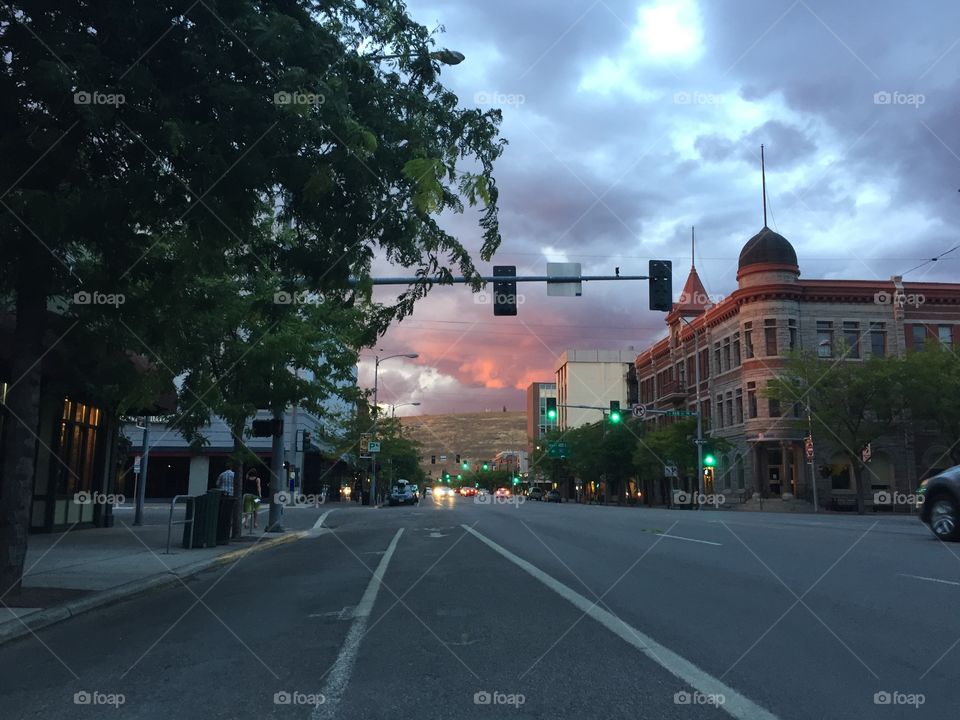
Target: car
428, 490
468, 491
553, 496
502, 492
402, 495
441, 491
939, 501
535, 493
415, 489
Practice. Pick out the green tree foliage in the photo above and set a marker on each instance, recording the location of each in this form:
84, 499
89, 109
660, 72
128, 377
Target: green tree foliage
930, 385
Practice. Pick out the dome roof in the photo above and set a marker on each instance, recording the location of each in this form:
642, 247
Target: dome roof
768, 247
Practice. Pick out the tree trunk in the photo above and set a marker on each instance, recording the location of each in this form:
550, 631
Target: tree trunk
23, 418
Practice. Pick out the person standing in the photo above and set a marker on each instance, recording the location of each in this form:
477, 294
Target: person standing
225, 480
252, 494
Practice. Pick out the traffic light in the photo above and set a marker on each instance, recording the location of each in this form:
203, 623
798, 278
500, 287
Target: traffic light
551, 408
661, 285
459, 476
458, 457
615, 411
709, 460
505, 292
516, 481
486, 467
465, 465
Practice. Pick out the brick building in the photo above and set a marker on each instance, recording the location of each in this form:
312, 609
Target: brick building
743, 340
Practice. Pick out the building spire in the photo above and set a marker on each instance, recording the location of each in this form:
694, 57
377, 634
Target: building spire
693, 248
763, 176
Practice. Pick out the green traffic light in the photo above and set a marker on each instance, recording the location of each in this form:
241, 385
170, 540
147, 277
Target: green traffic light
552, 414
466, 466
459, 477
614, 417
709, 460
486, 467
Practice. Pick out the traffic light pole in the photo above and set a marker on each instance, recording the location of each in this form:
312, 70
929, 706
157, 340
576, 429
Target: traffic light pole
459, 280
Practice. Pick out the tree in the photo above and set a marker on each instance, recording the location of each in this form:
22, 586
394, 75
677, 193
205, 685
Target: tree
851, 402
126, 170
671, 445
930, 384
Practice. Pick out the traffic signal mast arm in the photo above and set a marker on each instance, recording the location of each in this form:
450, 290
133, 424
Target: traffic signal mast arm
353, 282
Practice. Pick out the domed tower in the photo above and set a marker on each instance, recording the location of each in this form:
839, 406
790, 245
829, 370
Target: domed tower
767, 258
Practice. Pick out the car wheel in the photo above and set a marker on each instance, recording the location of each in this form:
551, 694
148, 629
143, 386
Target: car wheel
943, 518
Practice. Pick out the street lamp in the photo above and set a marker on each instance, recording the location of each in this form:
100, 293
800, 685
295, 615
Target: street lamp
376, 412
696, 369
393, 408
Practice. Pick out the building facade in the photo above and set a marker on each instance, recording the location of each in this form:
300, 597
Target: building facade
538, 424
738, 344
593, 378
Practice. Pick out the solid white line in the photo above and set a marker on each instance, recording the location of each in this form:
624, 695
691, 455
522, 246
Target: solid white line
678, 537
929, 579
339, 675
735, 704
319, 523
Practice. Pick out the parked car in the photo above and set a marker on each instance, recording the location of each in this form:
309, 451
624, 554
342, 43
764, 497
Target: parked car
502, 493
939, 501
535, 493
553, 496
402, 495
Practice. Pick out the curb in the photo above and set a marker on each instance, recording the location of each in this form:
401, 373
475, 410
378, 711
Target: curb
28, 624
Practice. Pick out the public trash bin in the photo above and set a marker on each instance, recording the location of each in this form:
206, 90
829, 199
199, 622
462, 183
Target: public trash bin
203, 530
225, 518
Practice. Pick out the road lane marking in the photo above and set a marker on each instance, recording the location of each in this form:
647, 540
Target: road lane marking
339, 675
735, 704
319, 523
929, 579
680, 537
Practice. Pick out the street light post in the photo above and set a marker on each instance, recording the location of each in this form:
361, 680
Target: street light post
376, 416
393, 408
696, 374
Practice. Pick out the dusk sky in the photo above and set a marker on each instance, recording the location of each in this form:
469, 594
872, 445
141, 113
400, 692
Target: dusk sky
629, 122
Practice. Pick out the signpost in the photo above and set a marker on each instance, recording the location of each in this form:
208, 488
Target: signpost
373, 446
645, 413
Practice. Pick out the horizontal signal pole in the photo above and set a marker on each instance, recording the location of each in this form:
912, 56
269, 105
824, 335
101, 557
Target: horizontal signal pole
352, 282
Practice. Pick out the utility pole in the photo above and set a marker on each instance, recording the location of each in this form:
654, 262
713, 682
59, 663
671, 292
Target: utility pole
699, 441
278, 484
142, 484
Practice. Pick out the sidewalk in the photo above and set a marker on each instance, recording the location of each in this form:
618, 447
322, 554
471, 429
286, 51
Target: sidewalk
69, 573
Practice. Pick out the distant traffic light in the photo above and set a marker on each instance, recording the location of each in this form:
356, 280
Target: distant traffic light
459, 476
486, 467
615, 416
551, 408
709, 460
458, 457
516, 481
505, 293
466, 465
661, 285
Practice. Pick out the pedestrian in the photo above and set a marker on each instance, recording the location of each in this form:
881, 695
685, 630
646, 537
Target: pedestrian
225, 480
252, 494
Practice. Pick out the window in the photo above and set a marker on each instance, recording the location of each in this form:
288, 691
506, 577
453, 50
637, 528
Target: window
878, 340
748, 339
704, 364
726, 354
752, 400
76, 448
774, 408
792, 327
945, 335
770, 336
719, 411
919, 337
681, 374
736, 349
851, 339
716, 357
824, 339
739, 404
730, 419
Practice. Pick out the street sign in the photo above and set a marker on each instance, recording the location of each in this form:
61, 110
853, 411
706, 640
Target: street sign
557, 449
564, 289
670, 471
136, 465
365, 446
808, 447
639, 411
867, 453
679, 413
373, 446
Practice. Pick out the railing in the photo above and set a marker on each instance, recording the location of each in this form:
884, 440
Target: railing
185, 521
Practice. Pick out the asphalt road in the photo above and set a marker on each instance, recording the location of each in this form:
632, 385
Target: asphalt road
456, 609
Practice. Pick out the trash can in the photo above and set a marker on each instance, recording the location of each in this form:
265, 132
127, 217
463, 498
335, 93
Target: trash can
205, 515
225, 518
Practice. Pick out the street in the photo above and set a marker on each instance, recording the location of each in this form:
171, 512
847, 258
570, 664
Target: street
457, 609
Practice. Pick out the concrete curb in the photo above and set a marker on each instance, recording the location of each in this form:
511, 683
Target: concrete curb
27, 624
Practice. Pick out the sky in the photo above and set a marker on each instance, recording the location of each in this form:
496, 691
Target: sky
630, 122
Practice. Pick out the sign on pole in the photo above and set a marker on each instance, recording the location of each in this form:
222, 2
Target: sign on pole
136, 465
639, 411
808, 447
365, 445
564, 289
373, 446
867, 452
